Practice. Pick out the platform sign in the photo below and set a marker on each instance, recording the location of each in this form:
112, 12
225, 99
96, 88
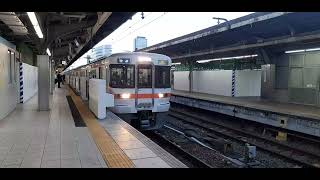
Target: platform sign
124, 60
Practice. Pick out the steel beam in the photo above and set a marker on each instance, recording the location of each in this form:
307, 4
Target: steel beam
214, 30
283, 40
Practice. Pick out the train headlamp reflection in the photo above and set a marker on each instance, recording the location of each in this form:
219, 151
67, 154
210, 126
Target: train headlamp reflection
125, 96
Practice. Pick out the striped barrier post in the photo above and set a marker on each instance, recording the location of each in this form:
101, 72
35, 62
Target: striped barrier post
233, 83
21, 82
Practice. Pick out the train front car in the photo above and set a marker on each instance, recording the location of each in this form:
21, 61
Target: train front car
141, 86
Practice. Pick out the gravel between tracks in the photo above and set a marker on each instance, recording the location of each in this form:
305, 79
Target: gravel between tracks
266, 160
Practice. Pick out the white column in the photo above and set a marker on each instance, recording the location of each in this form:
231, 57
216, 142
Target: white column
43, 82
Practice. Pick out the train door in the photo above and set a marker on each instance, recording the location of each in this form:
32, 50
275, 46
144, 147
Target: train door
100, 72
87, 85
79, 82
144, 100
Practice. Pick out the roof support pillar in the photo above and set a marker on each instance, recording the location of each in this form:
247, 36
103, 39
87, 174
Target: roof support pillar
190, 65
43, 82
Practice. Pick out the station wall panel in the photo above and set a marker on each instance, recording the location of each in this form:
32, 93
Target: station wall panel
8, 83
181, 80
219, 82
213, 82
30, 81
248, 83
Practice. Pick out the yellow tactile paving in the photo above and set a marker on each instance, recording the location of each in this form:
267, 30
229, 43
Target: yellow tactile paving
110, 150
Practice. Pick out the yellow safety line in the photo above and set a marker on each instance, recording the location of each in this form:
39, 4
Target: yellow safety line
109, 149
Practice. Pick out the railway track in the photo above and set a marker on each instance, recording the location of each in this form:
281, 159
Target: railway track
164, 142
294, 154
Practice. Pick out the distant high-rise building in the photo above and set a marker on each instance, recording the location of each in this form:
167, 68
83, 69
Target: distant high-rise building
101, 51
139, 43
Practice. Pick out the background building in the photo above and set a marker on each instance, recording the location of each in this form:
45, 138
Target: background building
101, 51
139, 43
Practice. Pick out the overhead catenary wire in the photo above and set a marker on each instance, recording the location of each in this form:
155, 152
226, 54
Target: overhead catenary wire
139, 20
116, 41
140, 27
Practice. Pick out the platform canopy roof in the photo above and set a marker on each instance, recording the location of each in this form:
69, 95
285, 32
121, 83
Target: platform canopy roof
270, 32
68, 35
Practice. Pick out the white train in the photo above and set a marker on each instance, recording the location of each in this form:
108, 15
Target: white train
140, 83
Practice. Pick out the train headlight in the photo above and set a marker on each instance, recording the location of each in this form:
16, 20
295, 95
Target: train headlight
161, 95
125, 96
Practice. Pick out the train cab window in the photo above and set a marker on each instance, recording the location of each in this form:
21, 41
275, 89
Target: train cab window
162, 79
121, 76
144, 76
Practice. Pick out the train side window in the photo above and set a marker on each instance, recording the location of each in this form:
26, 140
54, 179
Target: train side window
145, 76
162, 79
121, 76
92, 74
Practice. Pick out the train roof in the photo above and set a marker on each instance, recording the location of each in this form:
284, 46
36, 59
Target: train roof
138, 53
123, 54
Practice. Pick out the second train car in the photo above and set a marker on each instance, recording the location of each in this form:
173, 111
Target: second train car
140, 83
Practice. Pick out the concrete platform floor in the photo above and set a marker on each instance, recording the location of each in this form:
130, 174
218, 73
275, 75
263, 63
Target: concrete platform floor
299, 110
48, 139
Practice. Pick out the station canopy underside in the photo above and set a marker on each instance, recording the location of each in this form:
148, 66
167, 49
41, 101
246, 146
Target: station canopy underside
274, 32
68, 35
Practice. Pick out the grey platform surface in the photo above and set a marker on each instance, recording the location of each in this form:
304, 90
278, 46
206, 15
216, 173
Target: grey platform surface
49, 139
33, 139
304, 111
141, 150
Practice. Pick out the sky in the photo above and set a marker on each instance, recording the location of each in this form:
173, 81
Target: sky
158, 27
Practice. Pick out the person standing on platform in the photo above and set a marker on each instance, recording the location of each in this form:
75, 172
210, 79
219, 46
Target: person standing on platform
59, 77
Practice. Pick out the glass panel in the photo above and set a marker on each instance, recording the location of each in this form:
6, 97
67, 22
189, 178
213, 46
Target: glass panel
296, 60
144, 76
311, 77
162, 77
312, 60
121, 76
296, 78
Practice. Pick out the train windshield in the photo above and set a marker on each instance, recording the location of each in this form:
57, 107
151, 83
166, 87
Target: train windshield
144, 76
162, 76
121, 76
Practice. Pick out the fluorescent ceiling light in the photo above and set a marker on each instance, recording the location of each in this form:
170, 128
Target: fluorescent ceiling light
48, 52
34, 21
314, 49
302, 50
226, 58
204, 61
295, 51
